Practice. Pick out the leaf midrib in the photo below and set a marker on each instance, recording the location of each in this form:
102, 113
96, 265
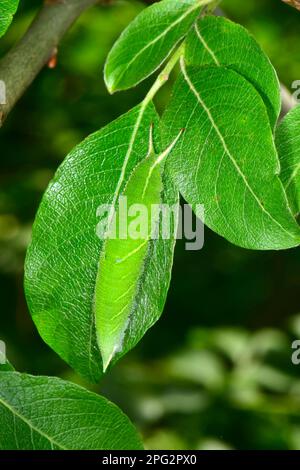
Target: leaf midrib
30, 425
206, 46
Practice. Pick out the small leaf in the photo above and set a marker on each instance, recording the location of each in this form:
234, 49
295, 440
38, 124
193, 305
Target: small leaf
63, 258
7, 10
218, 41
288, 146
227, 160
124, 255
148, 41
43, 413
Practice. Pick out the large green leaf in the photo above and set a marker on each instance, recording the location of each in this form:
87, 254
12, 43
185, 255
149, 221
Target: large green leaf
227, 160
218, 41
288, 146
63, 258
148, 41
7, 10
43, 413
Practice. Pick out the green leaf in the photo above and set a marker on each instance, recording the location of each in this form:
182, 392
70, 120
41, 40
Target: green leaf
148, 40
63, 258
218, 41
7, 10
227, 160
124, 256
43, 413
288, 146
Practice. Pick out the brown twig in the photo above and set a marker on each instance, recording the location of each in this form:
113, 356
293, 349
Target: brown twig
24, 61
293, 3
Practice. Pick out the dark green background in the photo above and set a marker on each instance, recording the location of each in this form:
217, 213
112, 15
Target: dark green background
216, 371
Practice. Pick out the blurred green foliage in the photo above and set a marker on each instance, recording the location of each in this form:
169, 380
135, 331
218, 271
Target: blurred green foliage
216, 371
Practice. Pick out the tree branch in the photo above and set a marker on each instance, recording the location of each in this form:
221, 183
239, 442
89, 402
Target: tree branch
293, 3
24, 61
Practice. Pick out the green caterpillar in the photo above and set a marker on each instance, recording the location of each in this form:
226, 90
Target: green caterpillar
122, 258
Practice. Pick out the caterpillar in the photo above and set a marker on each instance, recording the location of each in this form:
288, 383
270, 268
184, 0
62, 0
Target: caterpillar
123, 257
